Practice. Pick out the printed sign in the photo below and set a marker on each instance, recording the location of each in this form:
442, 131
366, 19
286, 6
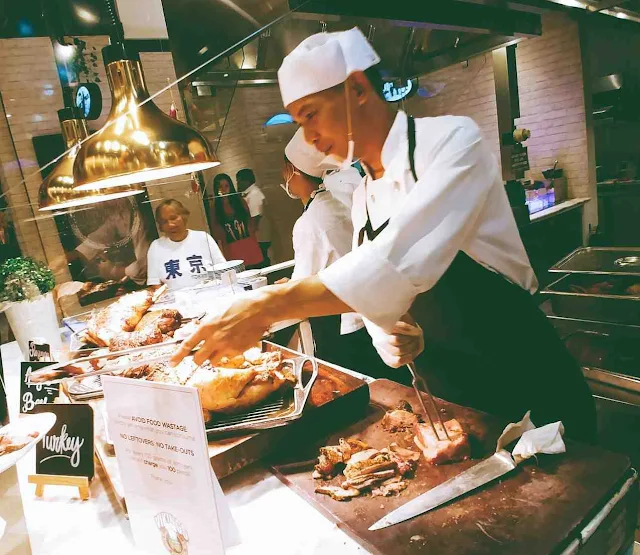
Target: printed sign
67, 450
39, 351
519, 159
32, 395
158, 434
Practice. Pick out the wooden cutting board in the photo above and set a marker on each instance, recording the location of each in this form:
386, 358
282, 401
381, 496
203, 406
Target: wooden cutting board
532, 511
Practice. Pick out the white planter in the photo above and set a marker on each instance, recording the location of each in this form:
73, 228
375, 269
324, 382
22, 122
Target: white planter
32, 319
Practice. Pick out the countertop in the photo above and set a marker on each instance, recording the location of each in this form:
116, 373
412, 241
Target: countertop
559, 208
271, 517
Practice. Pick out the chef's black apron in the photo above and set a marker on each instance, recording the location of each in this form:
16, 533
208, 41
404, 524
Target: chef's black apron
352, 350
488, 345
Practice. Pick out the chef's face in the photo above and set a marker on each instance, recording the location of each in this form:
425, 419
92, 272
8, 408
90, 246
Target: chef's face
172, 223
323, 115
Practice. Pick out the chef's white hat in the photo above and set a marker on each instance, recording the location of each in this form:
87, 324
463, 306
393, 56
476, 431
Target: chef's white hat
304, 156
323, 61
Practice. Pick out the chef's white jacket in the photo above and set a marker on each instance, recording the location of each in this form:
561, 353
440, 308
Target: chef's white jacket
322, 235
342, 183
458, 203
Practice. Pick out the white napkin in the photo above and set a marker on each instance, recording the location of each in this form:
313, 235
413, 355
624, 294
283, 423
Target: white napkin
514, 430
547, 439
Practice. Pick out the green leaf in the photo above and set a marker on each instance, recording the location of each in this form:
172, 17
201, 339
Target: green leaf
24, 278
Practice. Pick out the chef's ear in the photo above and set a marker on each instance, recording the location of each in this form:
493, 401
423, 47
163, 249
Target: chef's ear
360, 86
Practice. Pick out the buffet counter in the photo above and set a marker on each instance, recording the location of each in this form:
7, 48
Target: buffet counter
270, 516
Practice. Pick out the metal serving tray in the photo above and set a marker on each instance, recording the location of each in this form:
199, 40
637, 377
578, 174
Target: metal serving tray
623, 261
622, 309
276, 411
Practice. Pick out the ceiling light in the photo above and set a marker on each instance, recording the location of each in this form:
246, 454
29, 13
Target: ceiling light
86, 15
64, 52
621, 15
57, 191
203, 50
152, 144
571, 3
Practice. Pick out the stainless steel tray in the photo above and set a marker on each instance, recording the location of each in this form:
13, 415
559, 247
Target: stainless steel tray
277, 411
622, 309
623, 261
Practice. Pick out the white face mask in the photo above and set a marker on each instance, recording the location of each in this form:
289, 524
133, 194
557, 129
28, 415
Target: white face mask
351, 145
285, 186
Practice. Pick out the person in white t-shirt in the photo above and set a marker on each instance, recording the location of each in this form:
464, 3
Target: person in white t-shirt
182, 256
258, 209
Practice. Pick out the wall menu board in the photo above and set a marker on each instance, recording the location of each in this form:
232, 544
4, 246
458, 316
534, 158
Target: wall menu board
32, 395
67, 450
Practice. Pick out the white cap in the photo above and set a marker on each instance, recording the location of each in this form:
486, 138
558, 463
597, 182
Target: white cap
304, 156
323, 61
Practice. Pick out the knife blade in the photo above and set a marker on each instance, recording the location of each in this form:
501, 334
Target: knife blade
497, 465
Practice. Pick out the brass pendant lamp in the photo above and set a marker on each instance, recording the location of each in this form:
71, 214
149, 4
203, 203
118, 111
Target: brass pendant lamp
137, 143
57, 190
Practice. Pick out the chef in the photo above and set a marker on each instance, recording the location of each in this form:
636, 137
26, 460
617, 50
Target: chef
437, 239
322, 235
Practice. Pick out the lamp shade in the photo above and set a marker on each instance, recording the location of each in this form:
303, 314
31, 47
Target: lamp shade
137, 143
57, 190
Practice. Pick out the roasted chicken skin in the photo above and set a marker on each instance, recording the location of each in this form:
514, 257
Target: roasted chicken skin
122, 315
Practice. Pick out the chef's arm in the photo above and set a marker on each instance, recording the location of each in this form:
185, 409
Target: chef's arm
381, 279
246, 320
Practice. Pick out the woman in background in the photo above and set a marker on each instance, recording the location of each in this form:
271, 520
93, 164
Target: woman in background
231, 224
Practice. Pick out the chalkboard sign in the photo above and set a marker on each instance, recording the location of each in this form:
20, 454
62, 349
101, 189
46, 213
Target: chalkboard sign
35, 394
519, 159
67, 450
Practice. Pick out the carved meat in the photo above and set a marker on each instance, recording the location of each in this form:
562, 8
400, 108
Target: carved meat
406, 460
337, 493
368, 480
151, 330
438, 451
332, 456
9, 444
368, 462
122, 315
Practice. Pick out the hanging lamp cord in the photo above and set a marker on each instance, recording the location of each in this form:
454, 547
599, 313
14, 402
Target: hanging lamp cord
117, 32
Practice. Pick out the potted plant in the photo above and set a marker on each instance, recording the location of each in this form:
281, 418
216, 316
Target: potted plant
26, 287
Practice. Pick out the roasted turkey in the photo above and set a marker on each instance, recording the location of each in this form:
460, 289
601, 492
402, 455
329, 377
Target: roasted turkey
122, 315
235, 385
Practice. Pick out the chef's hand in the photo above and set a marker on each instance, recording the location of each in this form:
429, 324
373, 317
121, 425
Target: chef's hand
402, 346
228, 332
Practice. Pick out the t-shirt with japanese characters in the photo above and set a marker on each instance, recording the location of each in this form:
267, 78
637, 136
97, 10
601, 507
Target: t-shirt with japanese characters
184, 263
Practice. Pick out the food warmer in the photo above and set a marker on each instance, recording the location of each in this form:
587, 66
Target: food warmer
595, 306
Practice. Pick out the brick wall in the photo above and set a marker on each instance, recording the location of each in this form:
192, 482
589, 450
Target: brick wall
552, 102
32, 96
468, 90
31, 92
244, 143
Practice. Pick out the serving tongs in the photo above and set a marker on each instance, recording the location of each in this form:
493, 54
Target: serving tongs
110, 367
418, 382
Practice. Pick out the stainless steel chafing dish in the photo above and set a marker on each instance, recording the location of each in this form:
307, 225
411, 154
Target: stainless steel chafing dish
614, 306
613, 261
